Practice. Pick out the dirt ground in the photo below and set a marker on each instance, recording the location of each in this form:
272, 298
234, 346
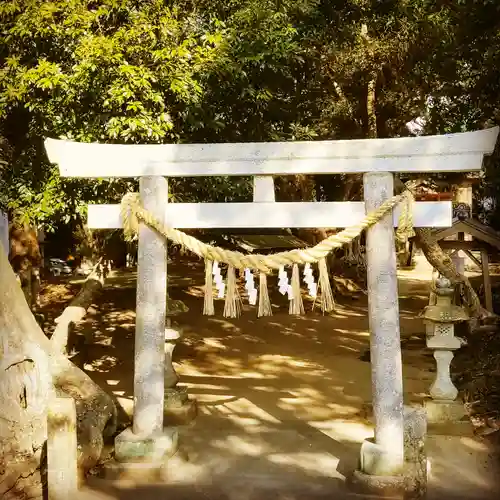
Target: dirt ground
284, 402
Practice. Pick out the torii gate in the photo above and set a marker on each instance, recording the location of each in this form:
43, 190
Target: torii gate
377, 159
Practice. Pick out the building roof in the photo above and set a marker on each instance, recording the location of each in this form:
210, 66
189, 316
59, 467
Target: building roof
476, 229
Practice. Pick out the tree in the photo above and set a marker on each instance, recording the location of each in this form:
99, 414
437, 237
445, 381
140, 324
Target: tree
31, 373
93, 71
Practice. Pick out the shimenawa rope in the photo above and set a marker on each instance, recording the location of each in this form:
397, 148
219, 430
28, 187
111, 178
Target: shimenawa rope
132, 213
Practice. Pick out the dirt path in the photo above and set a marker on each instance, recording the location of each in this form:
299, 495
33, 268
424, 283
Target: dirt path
284, 402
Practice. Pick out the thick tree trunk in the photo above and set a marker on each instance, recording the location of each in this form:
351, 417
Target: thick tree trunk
31, 373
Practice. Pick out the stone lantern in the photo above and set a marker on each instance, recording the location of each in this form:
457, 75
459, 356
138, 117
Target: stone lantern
178, 408
441, 318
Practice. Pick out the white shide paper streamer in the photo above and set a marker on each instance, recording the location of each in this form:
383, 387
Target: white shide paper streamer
309, 279
284, 283
219, 283
250, 287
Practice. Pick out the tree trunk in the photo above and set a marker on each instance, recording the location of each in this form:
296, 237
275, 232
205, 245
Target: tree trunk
76, 311
300, 188
26, 260
31, 373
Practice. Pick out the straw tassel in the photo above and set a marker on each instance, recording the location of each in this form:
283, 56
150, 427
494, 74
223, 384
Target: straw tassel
208, 305
232, 306
327, 301
265, 308
296, 305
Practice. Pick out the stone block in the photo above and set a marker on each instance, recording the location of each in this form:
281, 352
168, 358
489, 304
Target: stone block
130, 447
441, 411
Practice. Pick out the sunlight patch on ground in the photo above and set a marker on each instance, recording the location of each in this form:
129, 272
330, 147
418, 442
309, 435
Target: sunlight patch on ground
127, 326
342, 410
196, 291
308, 404
343, 312
352, 349
205, 386
225, 325
126, 403
240, 446
258, 375
343, 431
119, 316
323, 464
274, 363
450, 458
214, 342
210, 403
103, 364
104, 341
353, 333
304, 408
247, 424
475, 445
247, 409
190, 369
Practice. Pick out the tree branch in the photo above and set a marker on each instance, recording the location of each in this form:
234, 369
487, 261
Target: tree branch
371, 106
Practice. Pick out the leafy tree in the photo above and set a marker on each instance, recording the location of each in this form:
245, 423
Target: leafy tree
94, 71
205, 71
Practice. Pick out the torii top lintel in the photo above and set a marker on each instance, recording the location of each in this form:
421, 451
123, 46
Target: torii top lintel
461, 152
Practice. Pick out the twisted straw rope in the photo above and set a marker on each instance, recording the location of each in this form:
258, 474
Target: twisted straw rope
132, 213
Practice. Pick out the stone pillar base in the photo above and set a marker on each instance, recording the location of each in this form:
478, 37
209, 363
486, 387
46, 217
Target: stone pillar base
139, 457
377, 475
132, 448
380, 486
179, 409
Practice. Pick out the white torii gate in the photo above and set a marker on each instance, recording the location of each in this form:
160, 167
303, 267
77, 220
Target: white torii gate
377, 159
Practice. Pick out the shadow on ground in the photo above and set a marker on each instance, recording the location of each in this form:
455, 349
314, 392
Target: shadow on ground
284, 402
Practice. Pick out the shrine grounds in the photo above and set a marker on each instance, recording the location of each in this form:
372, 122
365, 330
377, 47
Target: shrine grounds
283, 401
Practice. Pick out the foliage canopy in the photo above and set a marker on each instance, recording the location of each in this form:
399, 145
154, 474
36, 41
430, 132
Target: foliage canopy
160, 71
